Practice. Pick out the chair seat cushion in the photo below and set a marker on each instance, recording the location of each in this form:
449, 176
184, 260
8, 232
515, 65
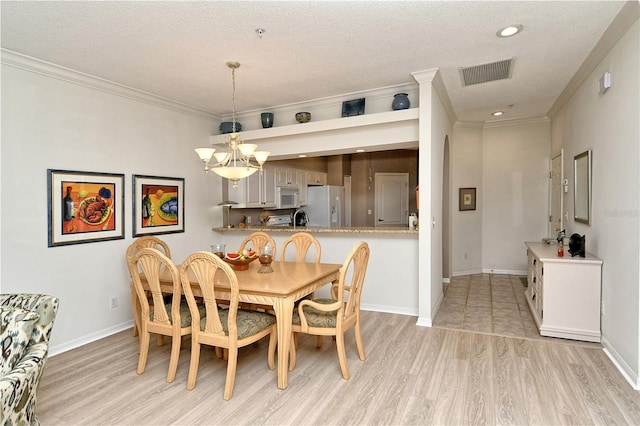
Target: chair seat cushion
185, 314
16, 328
248, 322
316, 318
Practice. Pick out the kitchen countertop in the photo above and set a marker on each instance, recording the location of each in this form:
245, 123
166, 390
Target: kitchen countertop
316, 229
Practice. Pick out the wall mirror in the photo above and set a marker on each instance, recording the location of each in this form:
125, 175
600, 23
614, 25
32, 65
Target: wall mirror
582, 189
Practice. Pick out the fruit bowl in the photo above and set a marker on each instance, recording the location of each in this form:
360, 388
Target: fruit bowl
241, 263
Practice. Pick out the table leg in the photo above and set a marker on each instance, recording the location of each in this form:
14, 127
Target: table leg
284, 313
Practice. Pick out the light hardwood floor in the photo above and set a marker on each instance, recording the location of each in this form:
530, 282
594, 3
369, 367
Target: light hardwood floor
412, 376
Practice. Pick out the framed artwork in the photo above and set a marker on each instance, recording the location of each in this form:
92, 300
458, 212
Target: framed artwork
353, 107
467, 199
158, 205
84, 207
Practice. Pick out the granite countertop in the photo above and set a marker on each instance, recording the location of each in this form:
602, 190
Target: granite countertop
315, 229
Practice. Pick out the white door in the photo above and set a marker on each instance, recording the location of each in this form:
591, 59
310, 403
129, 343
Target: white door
555, 196
391, 199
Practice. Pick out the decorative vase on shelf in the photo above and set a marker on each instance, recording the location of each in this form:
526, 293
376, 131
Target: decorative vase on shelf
267, 119
400, 101
303, 117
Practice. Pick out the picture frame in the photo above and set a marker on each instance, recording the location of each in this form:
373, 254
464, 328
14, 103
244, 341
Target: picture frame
158, 205
84, 207
467, 199
353, 107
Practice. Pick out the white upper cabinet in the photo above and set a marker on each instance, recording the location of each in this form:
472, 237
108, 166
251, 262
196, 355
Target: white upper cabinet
258, 190
286, 177
316, 178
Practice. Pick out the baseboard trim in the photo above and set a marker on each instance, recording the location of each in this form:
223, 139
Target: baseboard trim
424, 322
624, 368
413, 312
489, 271
89, 338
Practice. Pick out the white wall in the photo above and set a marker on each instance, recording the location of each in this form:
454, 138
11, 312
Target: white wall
435, 125
608, 124
466, 226
515, 170
441, 129
49, 122
508, 165
388, 287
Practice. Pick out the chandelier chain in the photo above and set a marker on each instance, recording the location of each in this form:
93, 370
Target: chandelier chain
233, 98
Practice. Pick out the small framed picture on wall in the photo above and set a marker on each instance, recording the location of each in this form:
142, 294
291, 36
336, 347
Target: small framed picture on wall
467, 199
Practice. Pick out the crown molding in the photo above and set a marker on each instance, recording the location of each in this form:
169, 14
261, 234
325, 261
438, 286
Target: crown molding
433, 76
28, 63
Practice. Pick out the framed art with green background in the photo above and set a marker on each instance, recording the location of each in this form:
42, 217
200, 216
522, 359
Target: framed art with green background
158, 205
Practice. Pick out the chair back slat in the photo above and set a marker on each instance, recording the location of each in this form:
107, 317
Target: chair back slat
153, 263
204, 266
301, 242
146, 242
351, 280
258, 240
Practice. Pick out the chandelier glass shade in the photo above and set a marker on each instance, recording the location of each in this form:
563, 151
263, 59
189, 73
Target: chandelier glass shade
241, 159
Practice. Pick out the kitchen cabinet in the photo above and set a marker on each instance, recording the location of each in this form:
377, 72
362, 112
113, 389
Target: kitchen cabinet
316, 178
286, 177
302, 187
256, 191
563, 293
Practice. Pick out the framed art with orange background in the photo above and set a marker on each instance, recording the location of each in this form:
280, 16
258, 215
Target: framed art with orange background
158, 205
84, 207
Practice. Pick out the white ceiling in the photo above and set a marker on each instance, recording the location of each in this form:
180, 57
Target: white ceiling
313, 49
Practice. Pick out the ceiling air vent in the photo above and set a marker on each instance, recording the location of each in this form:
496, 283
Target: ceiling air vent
486, 72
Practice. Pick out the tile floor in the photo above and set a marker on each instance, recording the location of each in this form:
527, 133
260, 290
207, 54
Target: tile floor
492, 304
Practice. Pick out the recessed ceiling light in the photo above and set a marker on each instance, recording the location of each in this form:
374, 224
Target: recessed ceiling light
302, 155
359, 150
497, 113
509, 31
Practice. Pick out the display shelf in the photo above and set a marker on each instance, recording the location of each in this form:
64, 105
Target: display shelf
336, 124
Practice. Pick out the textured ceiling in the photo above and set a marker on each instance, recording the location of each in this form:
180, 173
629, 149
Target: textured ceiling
313, 49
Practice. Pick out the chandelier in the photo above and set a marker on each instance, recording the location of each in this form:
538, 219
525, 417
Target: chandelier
236, 163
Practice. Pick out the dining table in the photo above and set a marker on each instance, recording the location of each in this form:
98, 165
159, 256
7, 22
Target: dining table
289, 282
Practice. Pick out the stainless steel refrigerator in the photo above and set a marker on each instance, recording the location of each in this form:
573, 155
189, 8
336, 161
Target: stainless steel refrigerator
325, 206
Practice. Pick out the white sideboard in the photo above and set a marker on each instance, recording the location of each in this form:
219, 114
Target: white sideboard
563, 293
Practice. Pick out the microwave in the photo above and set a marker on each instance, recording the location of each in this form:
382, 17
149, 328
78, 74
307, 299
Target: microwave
287, 198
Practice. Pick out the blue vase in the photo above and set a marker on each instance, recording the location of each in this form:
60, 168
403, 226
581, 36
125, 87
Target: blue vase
400, 101
267, 119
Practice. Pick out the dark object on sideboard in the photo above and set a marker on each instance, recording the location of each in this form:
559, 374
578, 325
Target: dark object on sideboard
577, 245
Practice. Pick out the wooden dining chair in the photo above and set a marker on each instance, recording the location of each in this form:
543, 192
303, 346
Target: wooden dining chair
221, 327
258, 240
167, 319
140, 243
333, 317
301, 243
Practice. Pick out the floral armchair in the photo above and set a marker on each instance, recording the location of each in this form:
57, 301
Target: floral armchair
26, 321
